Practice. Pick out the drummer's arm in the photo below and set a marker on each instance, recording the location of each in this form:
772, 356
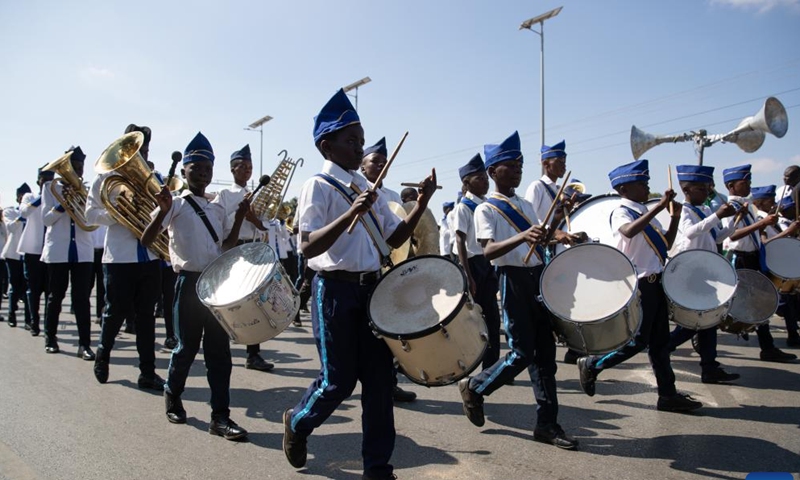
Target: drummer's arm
672, 231
492, 249
790, 232
747, 230
463, 258
233, 237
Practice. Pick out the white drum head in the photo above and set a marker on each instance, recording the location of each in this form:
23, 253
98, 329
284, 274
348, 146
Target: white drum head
416, 296
783, 257
588, 283
756, 298
699, 280
593, 217
236, 274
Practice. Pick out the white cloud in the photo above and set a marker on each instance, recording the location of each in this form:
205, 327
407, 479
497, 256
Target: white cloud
762, 6
766, 165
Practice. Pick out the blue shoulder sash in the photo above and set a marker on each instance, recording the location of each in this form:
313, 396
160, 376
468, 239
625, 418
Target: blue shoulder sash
654, 238
515, 217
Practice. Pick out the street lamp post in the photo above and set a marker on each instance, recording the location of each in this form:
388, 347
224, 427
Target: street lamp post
258, 126
354, 86
528, 25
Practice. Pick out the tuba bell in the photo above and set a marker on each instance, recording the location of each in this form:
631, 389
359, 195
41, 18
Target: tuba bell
73, 197
130, 194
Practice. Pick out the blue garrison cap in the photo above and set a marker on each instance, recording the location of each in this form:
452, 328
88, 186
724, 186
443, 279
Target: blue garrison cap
243, 154
77, 154
787, 202
23, 189
638, 171
379, 147
557, 150
198, 149
508, 149
760, 193
335, 115
742, 172
695, 173
474, 165
448, 204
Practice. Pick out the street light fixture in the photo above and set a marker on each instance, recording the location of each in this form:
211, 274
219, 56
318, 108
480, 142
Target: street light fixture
258, 126
528, 25
354, 86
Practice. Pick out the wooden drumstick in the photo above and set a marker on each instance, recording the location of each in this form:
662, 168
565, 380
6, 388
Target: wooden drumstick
547, 217
380, 178
669, 179
740, 214
566, 213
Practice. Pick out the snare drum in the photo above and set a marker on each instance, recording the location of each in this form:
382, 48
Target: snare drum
423, 310
755, 301
700, 286
249, 293
783, 263
591, 289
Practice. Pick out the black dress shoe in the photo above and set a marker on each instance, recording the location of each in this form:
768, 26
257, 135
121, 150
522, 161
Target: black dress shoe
12, 322
52, 348
403, 396
255, 362
227, 429
175, 410
150, 382
718, 375
587, 376
571, 357
472, 403
101, 366
391, 476
791, 341
86, 353
554, 435
777, 355
170, 343
35, 331
28, 326
294, 444
680, 402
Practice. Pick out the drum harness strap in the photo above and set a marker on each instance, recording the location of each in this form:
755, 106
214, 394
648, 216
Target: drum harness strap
654, 238
469, 203
548, 190
514, 216
702, 216
200, 213
369, 221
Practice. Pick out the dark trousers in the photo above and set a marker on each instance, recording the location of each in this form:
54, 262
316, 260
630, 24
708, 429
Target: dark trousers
530, 338
77, 275
98, 282
303, 285
290, 265
168, 277
653, 334
486, 286
349, 352
195, 323
791, 312
706, 342
16, 290
4, 283
131, 292
36, 276
751, 261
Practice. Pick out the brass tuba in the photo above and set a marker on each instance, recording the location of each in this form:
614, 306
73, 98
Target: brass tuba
130, 195
73, 197
269, 200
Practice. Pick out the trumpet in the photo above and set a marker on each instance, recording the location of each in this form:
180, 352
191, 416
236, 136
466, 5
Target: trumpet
73, 194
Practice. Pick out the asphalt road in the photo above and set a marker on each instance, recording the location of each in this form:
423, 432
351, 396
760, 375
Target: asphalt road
59, 423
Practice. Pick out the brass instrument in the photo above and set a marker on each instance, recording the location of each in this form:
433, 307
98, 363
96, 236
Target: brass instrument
130, 195
73, 196
268, 202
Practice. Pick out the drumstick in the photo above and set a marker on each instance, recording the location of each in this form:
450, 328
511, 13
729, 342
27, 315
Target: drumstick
669, 179
380, 178
417, 185
566, 213
740, 214
547, 217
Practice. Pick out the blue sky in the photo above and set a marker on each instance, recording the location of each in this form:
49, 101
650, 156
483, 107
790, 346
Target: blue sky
455, 74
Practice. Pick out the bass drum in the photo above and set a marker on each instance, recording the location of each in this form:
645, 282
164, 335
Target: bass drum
755, 301
783, 263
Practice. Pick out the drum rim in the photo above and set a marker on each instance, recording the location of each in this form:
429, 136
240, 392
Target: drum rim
466, 372
728, 301
634, 292
204, 274
777, 299
427, 331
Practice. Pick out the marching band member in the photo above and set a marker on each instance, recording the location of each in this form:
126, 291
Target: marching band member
409, 194
31, 242
700, 229
15, 223
481, 276
347, 265
639, 236
446, 231
505, 226
165, 299
132, 275
745, 246
250, 231
197, 227
68, 253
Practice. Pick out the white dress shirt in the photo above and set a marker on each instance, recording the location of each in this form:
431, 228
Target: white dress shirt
121, 245
62, 234
490, 225
14, 224
230, 198
746, 243
770, 231
390, 195
538, 196
320, 204
446, 239
695, 234
99, 237
464, 222
31, 240
637, 249
191, 246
